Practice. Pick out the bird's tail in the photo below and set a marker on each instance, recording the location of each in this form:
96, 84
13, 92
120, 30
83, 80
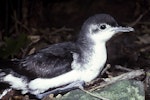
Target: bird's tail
6, 67
6, 70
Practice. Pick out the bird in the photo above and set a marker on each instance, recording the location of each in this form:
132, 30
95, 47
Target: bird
68, 64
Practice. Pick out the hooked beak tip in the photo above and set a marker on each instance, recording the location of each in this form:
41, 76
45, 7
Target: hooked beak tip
130, 29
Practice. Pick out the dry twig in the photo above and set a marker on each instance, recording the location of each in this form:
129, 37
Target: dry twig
123, 68
105, 69
139, 18
61, 30
96, 96
128, 75
17, 22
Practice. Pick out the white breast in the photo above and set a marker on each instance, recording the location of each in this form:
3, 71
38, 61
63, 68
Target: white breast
93, 66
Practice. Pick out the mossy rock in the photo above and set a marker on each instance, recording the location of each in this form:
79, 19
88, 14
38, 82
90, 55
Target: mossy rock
121, 90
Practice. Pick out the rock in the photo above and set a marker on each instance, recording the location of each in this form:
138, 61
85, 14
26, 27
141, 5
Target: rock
121, 90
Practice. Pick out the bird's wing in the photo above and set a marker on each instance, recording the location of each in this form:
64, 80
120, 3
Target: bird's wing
49, 62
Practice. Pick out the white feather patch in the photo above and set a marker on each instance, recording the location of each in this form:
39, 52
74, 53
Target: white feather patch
16, 83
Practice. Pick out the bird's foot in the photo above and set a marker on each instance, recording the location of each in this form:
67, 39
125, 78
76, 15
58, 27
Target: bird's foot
69, 87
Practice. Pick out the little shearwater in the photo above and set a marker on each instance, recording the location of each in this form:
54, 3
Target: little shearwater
68, 64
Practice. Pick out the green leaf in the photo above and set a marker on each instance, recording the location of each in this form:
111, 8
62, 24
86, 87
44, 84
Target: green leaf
13, 46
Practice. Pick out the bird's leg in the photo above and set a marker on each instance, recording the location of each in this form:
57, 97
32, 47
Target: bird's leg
69, 87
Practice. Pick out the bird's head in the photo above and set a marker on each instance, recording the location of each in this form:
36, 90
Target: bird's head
101, 27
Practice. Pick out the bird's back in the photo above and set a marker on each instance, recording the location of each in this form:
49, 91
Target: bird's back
46, 63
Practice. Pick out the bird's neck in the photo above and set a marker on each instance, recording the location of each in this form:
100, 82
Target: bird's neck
91, 56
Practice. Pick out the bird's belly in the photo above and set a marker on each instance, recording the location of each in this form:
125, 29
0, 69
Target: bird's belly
89, 75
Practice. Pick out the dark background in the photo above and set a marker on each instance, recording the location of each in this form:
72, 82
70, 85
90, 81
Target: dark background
28, 25
69, 13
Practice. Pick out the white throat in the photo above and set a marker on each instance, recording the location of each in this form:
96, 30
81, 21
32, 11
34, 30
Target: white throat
94, 62
95, 59
98, 58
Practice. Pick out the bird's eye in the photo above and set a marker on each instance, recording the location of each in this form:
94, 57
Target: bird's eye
102, 27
